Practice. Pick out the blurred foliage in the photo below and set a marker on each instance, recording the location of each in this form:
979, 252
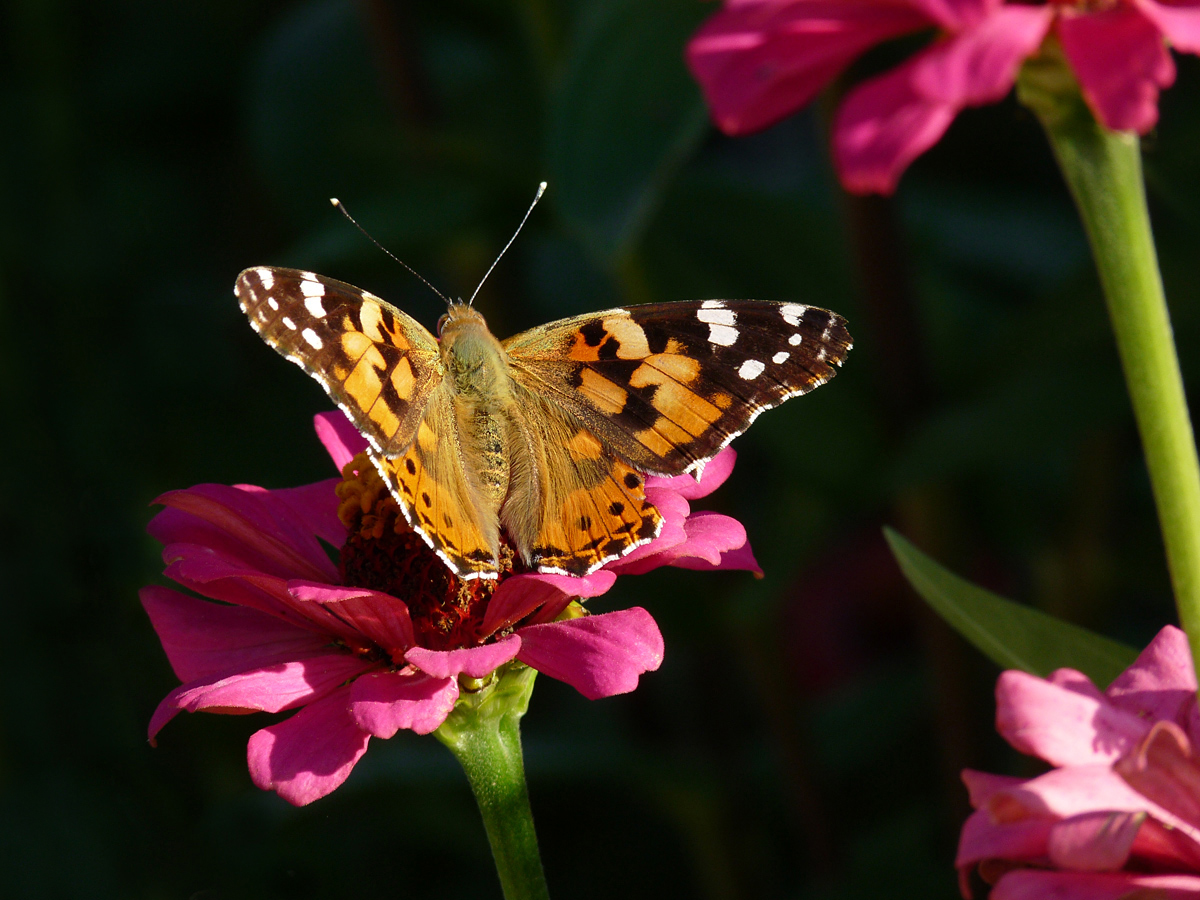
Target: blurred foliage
803, 737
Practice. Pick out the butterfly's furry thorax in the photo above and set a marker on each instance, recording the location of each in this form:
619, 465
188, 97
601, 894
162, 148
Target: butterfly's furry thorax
548, 435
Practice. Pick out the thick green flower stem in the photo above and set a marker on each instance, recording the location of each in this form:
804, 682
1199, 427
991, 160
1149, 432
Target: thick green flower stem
1103, 171
484, 734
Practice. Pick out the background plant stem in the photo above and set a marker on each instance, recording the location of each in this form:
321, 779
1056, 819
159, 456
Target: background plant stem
1104, 173
484, 734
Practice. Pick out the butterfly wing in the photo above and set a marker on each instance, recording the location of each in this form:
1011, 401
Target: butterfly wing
378, 364
667, 385
572, 504
439, 495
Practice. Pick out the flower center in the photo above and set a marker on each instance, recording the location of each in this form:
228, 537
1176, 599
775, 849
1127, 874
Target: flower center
383, 553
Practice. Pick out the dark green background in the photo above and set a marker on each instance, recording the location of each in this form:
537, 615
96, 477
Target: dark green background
803, 736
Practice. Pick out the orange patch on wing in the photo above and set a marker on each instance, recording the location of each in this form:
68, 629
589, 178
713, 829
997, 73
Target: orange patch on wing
355, 344
604, 394
402, 378
371, 317
630, 338
363, 385
585, 445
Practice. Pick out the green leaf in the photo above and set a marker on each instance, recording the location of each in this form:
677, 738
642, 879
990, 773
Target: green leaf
1010, 634
627, 114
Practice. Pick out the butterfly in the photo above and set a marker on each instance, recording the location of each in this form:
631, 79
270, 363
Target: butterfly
547, 436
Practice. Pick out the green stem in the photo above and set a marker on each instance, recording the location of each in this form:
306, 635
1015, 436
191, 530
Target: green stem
1103, 171
484, 734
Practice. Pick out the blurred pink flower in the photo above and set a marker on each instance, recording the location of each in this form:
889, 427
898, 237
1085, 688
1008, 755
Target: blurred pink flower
759, 60
292, 631
1120, 813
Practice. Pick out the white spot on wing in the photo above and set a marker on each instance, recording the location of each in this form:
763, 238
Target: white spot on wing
288, 322
313, 304
311, 336
792, 312
312, 288
717, 316
780, 357
267, 279
750, 369
725, 335
712, 304
795, 340
273, 303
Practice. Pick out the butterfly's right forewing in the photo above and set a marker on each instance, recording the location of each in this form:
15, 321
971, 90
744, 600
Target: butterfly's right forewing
378, 364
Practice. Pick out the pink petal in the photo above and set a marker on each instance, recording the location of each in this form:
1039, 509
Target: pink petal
310, 754
956, 15
317, 504
887, 122
273, 688
716, 471
1073, 790
760, 61
204, 639
518, 596
882, 126
207, 572
474, 662
1035, 884
1121, 62
1072, 680
341, 439
739, 559
380, 617
1163, 770
650, 556
980, 65
1094, 841
597, 655
1179, 22
246, 524
981, 785
1161, 683
1060, 725
984, 838
384, 702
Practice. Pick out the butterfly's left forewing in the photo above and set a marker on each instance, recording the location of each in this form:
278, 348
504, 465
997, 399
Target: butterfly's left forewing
377, 363
667, 385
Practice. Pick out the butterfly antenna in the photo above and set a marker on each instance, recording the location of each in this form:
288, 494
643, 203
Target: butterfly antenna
541, 190
340, 207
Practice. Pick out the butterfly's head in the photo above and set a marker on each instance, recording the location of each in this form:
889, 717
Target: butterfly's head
458, 317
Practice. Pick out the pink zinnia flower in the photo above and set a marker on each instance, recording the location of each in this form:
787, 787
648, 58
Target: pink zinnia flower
759, 60
1120, 813
386, 637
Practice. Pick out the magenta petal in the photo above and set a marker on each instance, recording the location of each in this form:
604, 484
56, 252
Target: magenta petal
1094, 841
384, 702
1161, 683
203, 639
1035, 884
317, 504
716, 471
381, 617
597, 655
269, 689
980, 65
1121, 62
882, 126
955, 15
710, 536
250, 526
652, 555
760, 61
1060, 725
519, 595
1179, 22
341, 439
305, 757
984, 838
474, 662
1163, 770
981, 785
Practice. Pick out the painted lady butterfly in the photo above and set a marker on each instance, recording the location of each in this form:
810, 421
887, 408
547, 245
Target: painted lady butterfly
546, 435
